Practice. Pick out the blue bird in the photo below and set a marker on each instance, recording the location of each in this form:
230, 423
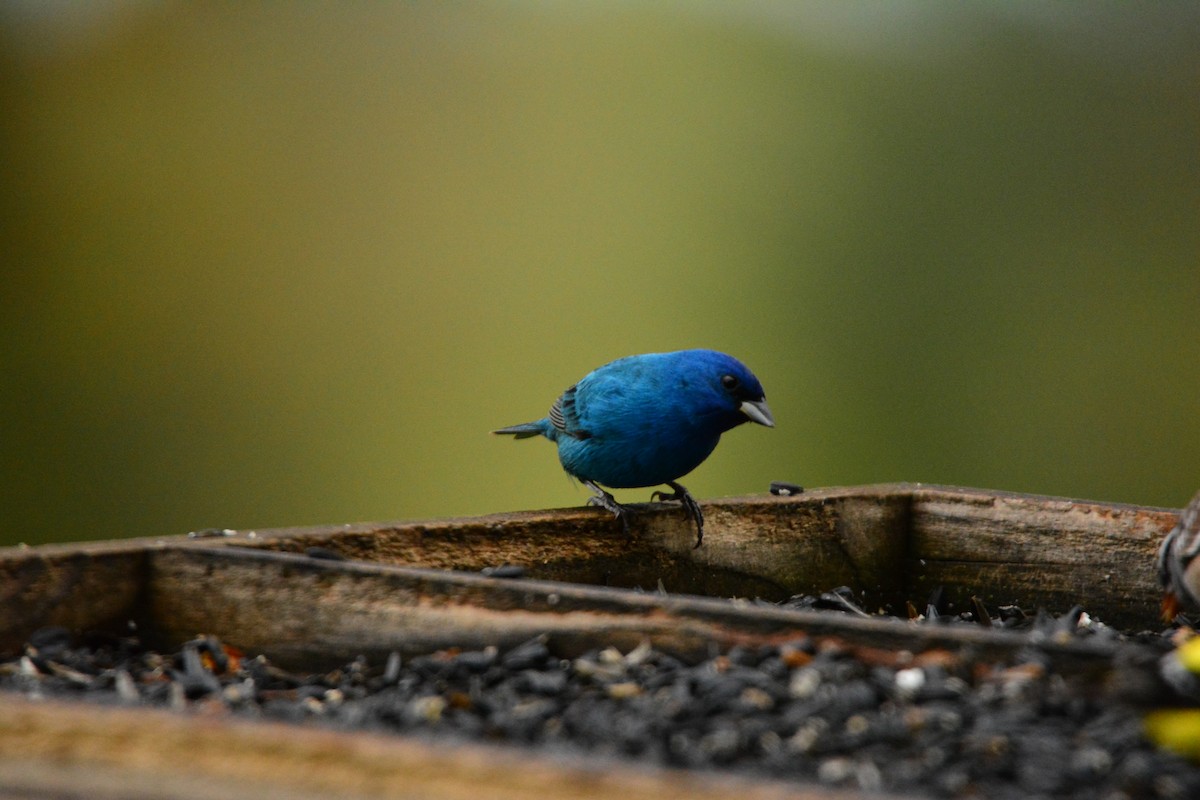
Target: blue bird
646, 420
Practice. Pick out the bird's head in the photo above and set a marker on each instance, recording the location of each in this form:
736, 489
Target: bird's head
736, 392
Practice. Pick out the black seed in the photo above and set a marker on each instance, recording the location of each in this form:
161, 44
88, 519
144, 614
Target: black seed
529, 655
477, 660
323, 553
50, 642
504, 571
549, 683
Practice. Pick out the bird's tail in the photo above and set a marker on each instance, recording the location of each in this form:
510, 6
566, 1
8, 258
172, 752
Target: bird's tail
524, 430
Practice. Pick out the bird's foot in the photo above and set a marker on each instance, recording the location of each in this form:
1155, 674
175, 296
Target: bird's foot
604, 500
689, 505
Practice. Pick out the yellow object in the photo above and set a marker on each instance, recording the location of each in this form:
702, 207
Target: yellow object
1188, 654
1177, 730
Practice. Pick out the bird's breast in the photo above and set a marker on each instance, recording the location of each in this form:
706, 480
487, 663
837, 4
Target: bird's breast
630, 463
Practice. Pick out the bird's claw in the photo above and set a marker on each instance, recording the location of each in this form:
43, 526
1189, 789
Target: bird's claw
689, 505
602, 499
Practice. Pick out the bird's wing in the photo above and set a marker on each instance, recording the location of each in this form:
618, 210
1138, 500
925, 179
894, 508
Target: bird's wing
564, 417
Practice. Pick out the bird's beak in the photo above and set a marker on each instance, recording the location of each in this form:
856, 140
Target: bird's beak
758, 412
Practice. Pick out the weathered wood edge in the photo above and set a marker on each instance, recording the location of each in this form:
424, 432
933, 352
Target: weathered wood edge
1038, 551
308, 613
583, 519
52, 749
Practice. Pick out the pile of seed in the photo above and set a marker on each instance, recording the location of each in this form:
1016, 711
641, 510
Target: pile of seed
813, 710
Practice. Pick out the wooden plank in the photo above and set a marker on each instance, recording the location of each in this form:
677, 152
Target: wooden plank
80, 587
761, 546
893, 542
50, 749
1038, 551
312, 614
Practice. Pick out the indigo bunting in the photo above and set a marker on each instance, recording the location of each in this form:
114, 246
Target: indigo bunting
646, 420
1178, 550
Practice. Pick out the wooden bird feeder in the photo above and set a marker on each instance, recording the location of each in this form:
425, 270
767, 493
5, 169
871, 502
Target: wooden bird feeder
417, 587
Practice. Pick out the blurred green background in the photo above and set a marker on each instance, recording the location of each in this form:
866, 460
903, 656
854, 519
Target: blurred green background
288, 264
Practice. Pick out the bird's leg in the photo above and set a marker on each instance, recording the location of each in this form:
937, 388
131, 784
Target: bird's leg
689, 505
605, 500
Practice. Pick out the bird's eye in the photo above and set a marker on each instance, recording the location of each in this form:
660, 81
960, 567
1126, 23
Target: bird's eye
730, 382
